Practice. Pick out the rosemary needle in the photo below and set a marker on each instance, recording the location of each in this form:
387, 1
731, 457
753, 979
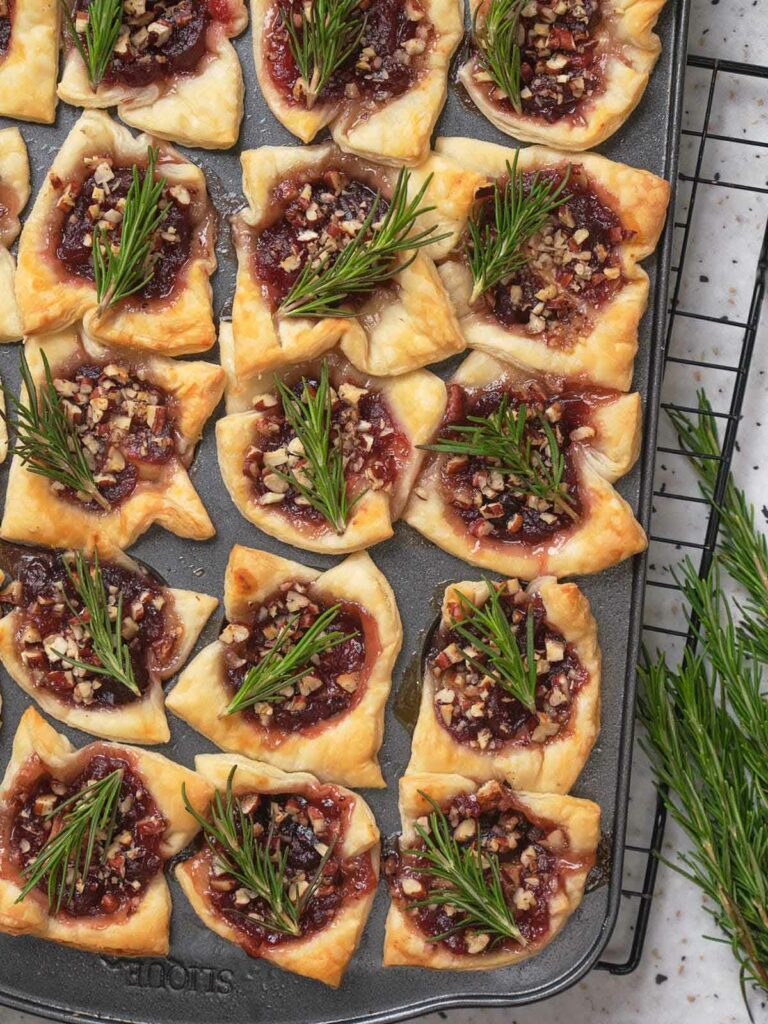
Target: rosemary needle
497, 35
102, 30
328, 33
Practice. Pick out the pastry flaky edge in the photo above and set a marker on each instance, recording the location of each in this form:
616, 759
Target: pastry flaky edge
604, 356
202, 109
35, 515
323, 955
146, 931
395, 132
342, 749
14, 176
140, 721
415, 400
177, 325
404, 944
29, 69
391, 334
549, 767
626, 77
607, 531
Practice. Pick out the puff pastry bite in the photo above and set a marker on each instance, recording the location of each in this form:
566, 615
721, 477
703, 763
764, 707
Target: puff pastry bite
14, 193
574, 306
46, 640
373, 427
29, 59
85, 189
542, 845
121, 904
305, 206
553, 509
584, 66
330, 842
137, 420
472, 719
302, 669
173, 73
384, 99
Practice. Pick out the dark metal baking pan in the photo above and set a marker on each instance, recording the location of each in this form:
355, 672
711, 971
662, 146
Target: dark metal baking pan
206, 979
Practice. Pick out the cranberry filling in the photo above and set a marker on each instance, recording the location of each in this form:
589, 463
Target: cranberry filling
120, 872
49, 627
387, 62
562, 59
335, 681
6, 12
371, 442
99, 202
305, 825
479, 712
534, 860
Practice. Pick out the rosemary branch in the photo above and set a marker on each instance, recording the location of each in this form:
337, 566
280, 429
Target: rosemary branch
102, 30
328, 33
497, 36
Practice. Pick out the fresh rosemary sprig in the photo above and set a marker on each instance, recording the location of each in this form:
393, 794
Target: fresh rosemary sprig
47, 441
126, 268
284, 664
468, 879
329, 32
106, 634
85, 819
102, 31
488, 630
322, 481
497, 35
494, 249
503, 439
368, 260
258, 866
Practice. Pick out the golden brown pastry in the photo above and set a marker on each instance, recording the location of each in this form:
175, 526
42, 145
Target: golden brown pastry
138, 421
542, 844
472, 720
554, 511
124, 907
585, 65
29, 59
14, 193
384, 100
50, 624
329, 837
88, 179
330, 719
298, 198
174, 72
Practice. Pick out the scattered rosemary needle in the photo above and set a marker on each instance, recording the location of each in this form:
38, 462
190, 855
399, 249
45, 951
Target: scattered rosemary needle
329, 33
47, 441
102, 30
488, 630
468, 879
258, 866
504, 440
85, 821
497, 36
106, 636
124, 269
494, 249
284, 664
370, 259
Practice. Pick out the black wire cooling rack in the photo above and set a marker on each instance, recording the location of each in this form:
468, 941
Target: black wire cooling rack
700, 189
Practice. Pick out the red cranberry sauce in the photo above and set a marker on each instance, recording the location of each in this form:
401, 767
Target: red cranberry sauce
49, 627
305, 825
388, 60
330, 686
158, 39
363, 426
6, 13
573, 265
98, 202
533, 857
562, 60
478, 711
123, 863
